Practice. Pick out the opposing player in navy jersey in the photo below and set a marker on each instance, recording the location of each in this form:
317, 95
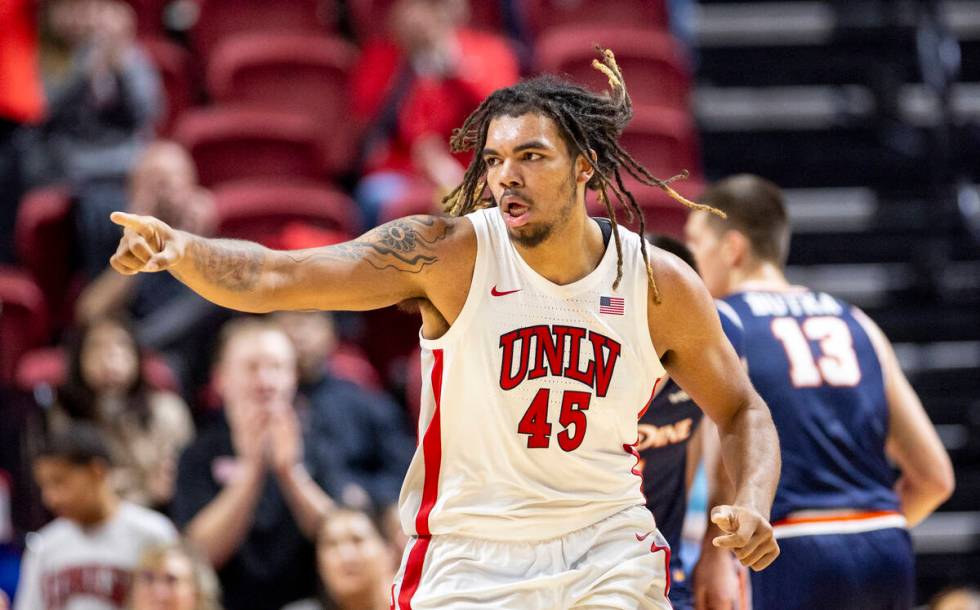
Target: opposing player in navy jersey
670, 448
844, 411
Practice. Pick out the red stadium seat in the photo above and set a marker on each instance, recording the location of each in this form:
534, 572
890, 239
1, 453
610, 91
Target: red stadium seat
546, 14
43, 238
220, 19
296, 72
261, 211
47, 366
23, 319
174, 64
149, 15
663, 140
653, 63
233, 143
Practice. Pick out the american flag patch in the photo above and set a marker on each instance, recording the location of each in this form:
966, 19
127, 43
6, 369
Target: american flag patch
612, 305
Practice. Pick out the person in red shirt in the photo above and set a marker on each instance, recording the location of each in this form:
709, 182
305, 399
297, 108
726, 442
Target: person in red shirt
410, 90
21, 102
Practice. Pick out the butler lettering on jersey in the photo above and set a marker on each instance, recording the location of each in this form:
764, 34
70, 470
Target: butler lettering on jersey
765, 304
557, 351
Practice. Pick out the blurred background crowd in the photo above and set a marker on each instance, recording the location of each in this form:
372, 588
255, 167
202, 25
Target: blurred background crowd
299, 123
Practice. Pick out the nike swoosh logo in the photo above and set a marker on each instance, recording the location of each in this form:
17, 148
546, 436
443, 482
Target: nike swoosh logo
496, 293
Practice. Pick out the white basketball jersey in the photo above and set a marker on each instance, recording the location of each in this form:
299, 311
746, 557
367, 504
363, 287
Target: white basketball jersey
530, 401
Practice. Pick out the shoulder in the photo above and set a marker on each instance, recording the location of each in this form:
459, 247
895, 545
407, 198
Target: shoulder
51, 534
679, 285
146, 522
168, 408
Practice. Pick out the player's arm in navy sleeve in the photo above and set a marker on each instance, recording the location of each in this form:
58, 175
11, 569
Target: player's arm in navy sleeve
687, 334
927, 474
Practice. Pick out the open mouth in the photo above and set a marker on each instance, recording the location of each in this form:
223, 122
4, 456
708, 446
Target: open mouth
515, 212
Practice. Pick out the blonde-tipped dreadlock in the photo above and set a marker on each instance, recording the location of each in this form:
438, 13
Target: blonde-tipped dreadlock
589, 122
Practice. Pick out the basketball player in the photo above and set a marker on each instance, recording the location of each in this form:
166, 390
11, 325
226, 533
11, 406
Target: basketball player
843, 410
542, 339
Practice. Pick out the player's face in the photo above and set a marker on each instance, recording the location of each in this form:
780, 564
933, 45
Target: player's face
352, 556
166, 585
70, 490
257, 371
705, 242
531, 176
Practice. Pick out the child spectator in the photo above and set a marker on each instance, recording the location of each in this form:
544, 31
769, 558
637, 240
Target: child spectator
86, 556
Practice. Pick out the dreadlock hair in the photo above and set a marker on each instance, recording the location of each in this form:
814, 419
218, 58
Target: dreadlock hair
590, 123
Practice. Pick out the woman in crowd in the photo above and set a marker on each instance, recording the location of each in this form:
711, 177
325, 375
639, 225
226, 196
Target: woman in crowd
355, 562
174, 577
146, 428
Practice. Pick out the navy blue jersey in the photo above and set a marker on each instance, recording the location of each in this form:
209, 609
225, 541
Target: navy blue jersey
665, 430
815, 366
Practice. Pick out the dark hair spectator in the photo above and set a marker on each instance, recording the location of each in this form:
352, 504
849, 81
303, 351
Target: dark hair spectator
146, 429
355, 561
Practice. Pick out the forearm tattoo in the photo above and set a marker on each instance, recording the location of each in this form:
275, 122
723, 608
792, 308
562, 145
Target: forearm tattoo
404, 245
228, 263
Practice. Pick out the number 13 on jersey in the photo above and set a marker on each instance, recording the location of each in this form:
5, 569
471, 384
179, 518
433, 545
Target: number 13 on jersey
836, 365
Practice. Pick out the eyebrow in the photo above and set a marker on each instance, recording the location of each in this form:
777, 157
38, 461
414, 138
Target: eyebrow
518, 148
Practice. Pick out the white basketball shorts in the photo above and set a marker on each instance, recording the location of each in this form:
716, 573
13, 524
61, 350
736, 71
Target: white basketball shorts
618, 563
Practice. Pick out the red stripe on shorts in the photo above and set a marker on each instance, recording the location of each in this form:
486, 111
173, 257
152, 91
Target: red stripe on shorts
432, 453
413, 573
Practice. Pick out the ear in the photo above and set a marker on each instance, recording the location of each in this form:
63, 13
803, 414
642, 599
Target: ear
583, 169
735, 248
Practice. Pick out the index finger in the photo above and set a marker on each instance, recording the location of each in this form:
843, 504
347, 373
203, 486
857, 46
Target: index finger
131, 221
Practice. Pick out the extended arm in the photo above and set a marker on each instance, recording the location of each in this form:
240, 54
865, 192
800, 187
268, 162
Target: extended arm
927, 474
384, 266
686, 330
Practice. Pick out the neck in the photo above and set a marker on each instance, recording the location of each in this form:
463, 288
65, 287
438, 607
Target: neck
761, 276
571, 252
108, 505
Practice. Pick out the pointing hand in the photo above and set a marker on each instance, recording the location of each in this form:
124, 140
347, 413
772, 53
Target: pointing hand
147, 244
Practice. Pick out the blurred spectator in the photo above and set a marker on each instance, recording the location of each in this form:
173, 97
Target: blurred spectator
412, 91
365, 430
21, 103
169, 317
245, 494
102, 103
85, 557
174, 577
391, 526
355, 562
146, 429
960, 598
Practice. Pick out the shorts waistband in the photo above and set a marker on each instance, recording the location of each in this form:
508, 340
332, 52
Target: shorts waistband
836, 521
